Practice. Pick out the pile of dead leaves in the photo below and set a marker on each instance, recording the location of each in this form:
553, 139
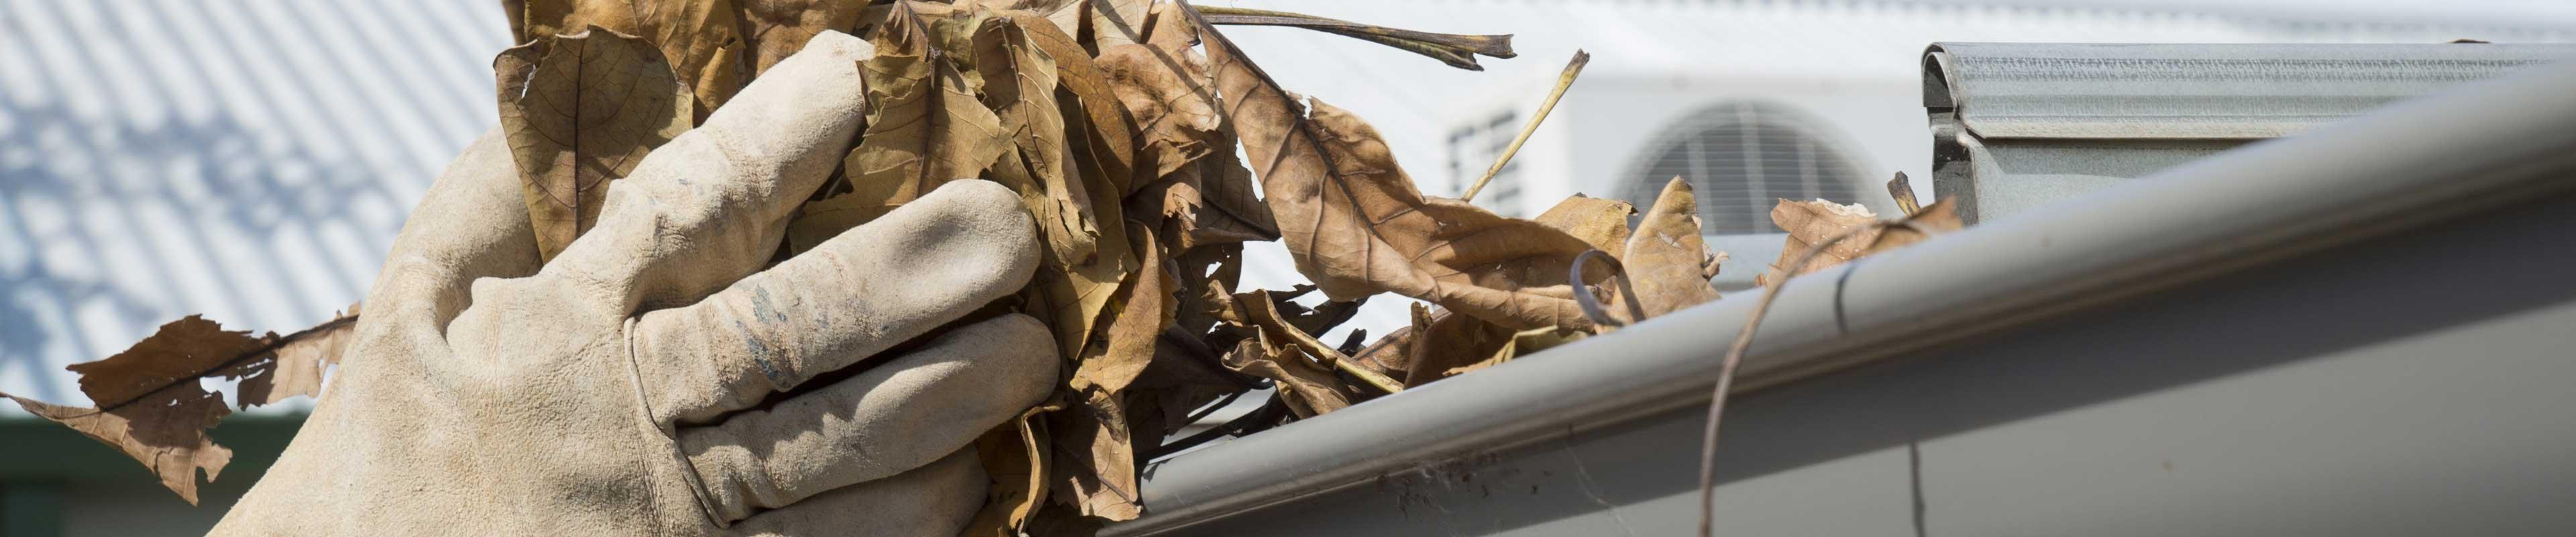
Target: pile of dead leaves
1149, 147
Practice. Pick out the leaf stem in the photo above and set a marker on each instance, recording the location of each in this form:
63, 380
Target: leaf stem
1564, 80
1734, 358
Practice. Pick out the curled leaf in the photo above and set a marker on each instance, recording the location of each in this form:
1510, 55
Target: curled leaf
1668, 264
1309, 389
1356, 224
1015, 458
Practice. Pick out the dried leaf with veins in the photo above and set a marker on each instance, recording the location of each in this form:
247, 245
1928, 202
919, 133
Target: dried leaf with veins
149, 403
925, 128
169, 439
1064, 15
1080, 292
1015, 459
1309, 389
1668, 264
1020, 87
1444, 342
580, 111
1124, 347
1115, 22
1209, 202
1175, 113
1600, 222
778, 28
1096, 470
699, 37
1106, 140
1356, 225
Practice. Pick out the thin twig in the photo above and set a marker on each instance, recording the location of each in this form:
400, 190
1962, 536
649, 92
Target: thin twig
1726, 374
1563, 80
1457, 50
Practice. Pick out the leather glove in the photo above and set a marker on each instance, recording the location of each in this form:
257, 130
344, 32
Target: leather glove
653, 379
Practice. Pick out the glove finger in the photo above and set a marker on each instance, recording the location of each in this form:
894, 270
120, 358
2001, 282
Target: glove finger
918, 267
471, 224
710, 206
895, 417
934, 500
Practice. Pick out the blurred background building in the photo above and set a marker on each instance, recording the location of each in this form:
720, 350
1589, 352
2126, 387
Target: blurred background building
251, 161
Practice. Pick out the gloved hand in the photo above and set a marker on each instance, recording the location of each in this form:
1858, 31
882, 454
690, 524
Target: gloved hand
652, 379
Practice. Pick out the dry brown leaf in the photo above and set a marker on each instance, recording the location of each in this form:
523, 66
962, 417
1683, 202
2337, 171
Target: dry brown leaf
1282, 322
925, 126
169, 439
1015, 457
1064, 15
1080, 293
699, 37
1523, 343
1108, 136
1096, 459
299, 360
1392, 354
1020, 87
150, 405
1813, 222
1600, 222
1667, 263
1209, 202
1114, 22
1357, 226
1446, 341
778, 28
1309, 389
580, 111
1207, 285
1123, 348
1168, 96
1940, 217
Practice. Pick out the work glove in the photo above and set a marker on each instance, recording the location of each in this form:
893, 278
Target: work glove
653, 379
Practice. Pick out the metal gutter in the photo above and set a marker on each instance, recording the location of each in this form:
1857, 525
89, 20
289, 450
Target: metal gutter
2194, 91
2018, 125
2481, 146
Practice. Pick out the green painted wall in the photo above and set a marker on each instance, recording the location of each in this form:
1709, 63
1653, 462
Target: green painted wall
57, 483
